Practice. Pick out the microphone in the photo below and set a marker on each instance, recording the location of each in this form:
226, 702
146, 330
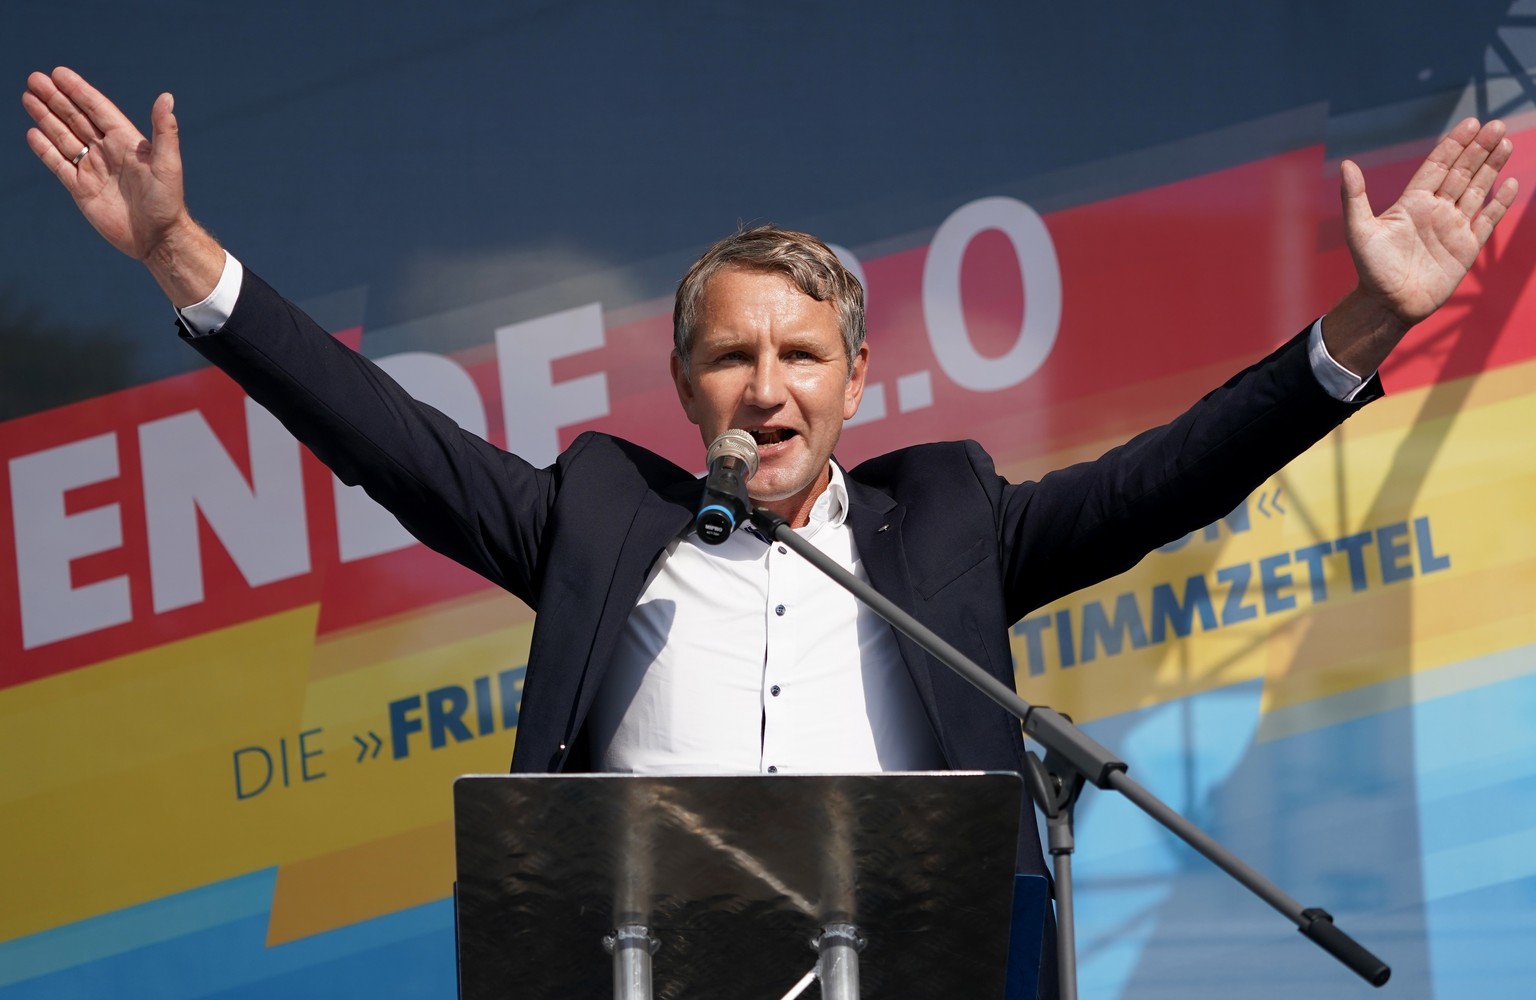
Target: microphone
732, 461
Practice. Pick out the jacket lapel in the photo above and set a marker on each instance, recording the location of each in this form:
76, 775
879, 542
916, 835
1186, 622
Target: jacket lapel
877, 521
658, 519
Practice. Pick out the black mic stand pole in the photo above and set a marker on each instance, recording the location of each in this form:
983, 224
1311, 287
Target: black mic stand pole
1071, 758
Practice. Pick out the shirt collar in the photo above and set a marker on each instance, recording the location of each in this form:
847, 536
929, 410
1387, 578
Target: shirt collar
831, 508
829, 511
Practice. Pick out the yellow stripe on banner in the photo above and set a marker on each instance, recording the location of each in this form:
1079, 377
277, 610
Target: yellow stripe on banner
359, 883
132, 791
377, 872
1443, 473
389, 815
1441, 620
383, 796
119, 782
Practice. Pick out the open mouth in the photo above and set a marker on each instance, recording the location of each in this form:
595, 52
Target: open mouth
771, 436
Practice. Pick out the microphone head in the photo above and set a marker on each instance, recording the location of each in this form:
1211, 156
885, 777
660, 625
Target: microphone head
737, 443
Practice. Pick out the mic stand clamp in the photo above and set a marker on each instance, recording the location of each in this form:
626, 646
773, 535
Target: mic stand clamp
1055, 787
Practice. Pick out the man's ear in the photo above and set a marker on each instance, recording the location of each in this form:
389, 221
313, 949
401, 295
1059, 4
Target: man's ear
684, 387
853, 392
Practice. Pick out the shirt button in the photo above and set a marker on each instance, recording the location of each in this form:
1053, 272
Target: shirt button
774, 690
779, 610
782, 550
773, 769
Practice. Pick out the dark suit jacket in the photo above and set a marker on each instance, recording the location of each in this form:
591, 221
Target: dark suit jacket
939, 532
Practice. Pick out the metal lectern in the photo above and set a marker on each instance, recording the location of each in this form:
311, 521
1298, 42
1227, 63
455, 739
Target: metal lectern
633, 887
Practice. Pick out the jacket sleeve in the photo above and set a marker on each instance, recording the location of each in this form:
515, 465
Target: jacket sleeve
473, 502
1090, 521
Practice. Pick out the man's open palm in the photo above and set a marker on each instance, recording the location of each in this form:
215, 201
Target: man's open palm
127, 186
1413, 255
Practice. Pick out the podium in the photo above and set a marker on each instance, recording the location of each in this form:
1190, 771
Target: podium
738, 887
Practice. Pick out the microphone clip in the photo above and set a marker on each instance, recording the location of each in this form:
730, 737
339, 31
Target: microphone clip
732, 462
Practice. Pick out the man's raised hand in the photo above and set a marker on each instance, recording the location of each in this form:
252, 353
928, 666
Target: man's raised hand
1415, 253
128, 187
1410, 258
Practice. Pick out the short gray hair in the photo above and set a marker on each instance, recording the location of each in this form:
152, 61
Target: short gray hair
801, 257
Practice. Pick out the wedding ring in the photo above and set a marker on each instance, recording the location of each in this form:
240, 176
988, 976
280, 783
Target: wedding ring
80, 155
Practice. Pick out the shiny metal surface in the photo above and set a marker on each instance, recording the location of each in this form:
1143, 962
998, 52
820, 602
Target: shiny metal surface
631, 946
838, 967
734, 877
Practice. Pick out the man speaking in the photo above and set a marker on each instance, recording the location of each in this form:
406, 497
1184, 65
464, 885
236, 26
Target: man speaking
656, 650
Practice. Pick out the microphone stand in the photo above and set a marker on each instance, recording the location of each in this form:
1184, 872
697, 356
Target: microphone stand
1072, 757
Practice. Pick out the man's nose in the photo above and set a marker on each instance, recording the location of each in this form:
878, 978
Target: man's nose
766, 389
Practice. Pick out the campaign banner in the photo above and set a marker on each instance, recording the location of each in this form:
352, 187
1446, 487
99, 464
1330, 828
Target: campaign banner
236, 693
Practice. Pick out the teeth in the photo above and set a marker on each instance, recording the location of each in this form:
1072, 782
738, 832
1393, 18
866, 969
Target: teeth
770, 437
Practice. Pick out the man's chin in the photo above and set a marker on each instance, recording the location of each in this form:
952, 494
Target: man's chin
778, 481
769, 498
776, 491
773, 492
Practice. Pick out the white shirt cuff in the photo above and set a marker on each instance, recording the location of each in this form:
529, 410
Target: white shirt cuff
213, 312
1340, 382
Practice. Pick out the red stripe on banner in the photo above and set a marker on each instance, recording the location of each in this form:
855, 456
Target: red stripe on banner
1163, 292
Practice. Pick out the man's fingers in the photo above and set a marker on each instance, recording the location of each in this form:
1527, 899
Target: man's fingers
166, 142
52, 158
1470, 161
1431, 173
60, 136
101, 113
1482, 182
1357, 205
52, 125
62, 107
1484, 221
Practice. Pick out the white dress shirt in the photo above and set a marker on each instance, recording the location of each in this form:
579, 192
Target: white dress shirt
743, 658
